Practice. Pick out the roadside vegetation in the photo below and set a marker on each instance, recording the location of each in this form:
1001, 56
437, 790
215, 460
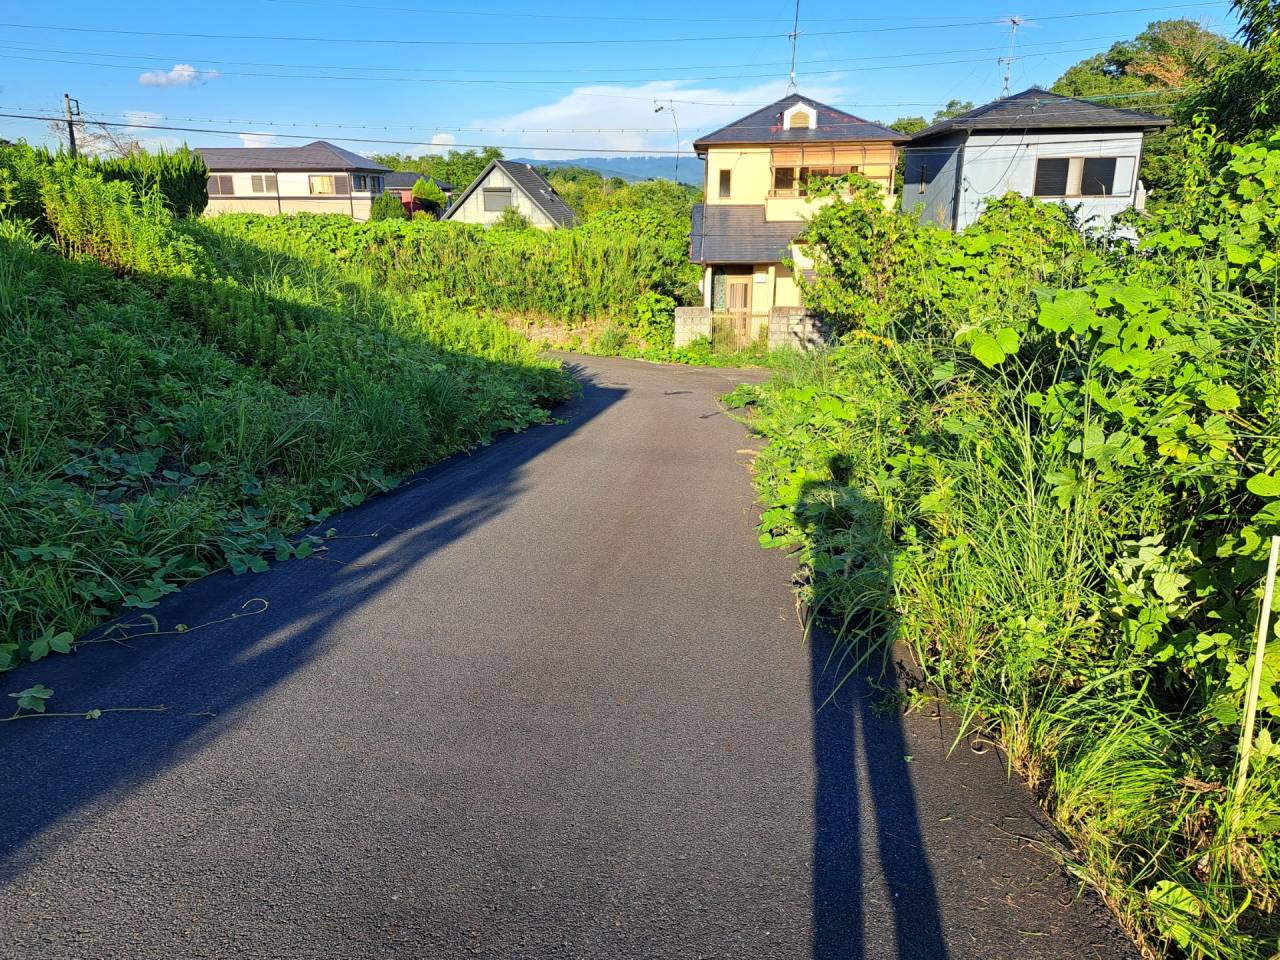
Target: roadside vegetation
175, 398
1047, 467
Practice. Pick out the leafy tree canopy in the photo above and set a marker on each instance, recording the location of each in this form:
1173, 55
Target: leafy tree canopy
458, 167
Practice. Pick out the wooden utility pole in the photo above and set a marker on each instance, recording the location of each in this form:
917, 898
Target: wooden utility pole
71, 124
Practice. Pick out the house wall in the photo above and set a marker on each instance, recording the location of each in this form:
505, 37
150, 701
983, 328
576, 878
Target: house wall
998, 162
938, 164
472, 209
292, 196
751, 176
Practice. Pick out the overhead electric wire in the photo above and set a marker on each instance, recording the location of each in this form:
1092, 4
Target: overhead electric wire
561, 41
28, 48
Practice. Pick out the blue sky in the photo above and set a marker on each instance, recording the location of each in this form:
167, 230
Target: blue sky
544, 80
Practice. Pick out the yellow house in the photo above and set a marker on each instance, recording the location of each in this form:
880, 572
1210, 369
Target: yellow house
756, 199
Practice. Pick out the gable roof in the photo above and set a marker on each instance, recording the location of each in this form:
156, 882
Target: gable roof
1037, 109
831, 126
406, 179
531, 183
739, 233
317, 155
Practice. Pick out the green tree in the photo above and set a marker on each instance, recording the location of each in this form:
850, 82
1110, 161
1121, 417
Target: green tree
388, 206
428, 193
953, 109
1242, 97
512, 219
457, 167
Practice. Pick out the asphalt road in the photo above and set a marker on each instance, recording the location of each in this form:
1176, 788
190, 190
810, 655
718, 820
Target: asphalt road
547, 700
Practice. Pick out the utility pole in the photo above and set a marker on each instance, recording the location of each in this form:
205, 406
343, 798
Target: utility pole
71, 124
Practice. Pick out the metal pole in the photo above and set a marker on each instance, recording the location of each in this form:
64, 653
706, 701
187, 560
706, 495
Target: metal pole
71, 126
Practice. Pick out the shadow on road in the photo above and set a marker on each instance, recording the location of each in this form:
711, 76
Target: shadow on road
860, 755
209, 676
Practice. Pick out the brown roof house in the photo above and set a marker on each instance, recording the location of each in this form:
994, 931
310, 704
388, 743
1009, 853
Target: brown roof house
316, 178
757, 199
1035, 143
507, 185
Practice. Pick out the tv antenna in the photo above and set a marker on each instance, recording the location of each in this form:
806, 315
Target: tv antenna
1008, 62
792, 36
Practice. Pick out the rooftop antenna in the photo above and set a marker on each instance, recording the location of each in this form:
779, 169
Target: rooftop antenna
1014, 23
795, 32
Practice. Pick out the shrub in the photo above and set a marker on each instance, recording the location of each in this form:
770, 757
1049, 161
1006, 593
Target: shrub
388, 206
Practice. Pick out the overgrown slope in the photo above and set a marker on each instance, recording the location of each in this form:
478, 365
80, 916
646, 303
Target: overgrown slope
174, 400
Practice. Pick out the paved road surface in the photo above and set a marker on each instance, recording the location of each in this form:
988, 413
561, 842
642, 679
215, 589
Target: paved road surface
558, 707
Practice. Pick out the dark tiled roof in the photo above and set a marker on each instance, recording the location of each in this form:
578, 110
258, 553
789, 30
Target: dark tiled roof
765, 126
1036, 109
405, 180
529, 181
725, 233
318, 155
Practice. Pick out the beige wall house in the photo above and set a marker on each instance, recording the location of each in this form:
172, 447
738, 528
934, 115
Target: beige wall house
506, 185
756, 198
316, 178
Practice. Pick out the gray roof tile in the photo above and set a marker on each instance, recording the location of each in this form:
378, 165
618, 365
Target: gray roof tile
738, 233
317, 155
1037, 109
765, 126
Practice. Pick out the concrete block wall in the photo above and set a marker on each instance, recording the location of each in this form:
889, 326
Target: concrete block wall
691, 323
795, 327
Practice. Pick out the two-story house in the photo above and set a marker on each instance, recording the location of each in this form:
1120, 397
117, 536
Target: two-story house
1036, 143
756, 198
316, 178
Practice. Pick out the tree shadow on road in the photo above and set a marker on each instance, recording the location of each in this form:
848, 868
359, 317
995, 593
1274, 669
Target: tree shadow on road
861, 759
263, 629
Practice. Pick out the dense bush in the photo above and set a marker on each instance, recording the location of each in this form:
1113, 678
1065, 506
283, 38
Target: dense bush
388, 206
180, 176
593, 271
174, 399
1049, 468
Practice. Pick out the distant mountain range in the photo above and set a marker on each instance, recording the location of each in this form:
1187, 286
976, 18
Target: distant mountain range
631, 168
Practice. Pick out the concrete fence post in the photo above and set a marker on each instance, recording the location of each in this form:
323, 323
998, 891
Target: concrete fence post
691, 323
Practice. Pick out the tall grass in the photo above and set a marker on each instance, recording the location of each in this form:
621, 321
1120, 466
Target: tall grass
174, 401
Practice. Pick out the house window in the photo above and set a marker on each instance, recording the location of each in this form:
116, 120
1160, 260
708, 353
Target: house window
1051, 176
221, 185
497, 199
784, 179
263, 183
801, 120
725, 178
924, 176
375, 184
322, 186
1098, 177
359, 181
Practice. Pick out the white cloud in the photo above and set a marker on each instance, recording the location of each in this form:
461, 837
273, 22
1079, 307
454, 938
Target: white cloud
258, 139
440, 143
607, 117
182, 75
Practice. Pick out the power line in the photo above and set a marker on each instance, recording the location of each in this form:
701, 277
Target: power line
400, 41
471, 146
24, 47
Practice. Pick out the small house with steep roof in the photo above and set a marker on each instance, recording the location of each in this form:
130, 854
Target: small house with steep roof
507, 185
316, 178
1036, 143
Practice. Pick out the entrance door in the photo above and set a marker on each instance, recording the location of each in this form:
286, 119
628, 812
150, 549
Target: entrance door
736, 331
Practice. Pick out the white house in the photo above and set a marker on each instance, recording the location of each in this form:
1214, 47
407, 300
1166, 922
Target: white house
506, 185
1035, 143
315, 178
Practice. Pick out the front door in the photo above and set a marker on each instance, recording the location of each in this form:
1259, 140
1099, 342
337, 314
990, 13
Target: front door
736, 332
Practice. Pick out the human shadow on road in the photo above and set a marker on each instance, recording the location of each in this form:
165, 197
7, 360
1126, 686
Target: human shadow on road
860, 756
263, 629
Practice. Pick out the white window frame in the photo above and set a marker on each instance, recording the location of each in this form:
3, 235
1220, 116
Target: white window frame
263, 183
1075, 176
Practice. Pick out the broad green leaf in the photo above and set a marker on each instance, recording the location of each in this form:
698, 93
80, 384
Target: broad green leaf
1264, 485
986, 349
